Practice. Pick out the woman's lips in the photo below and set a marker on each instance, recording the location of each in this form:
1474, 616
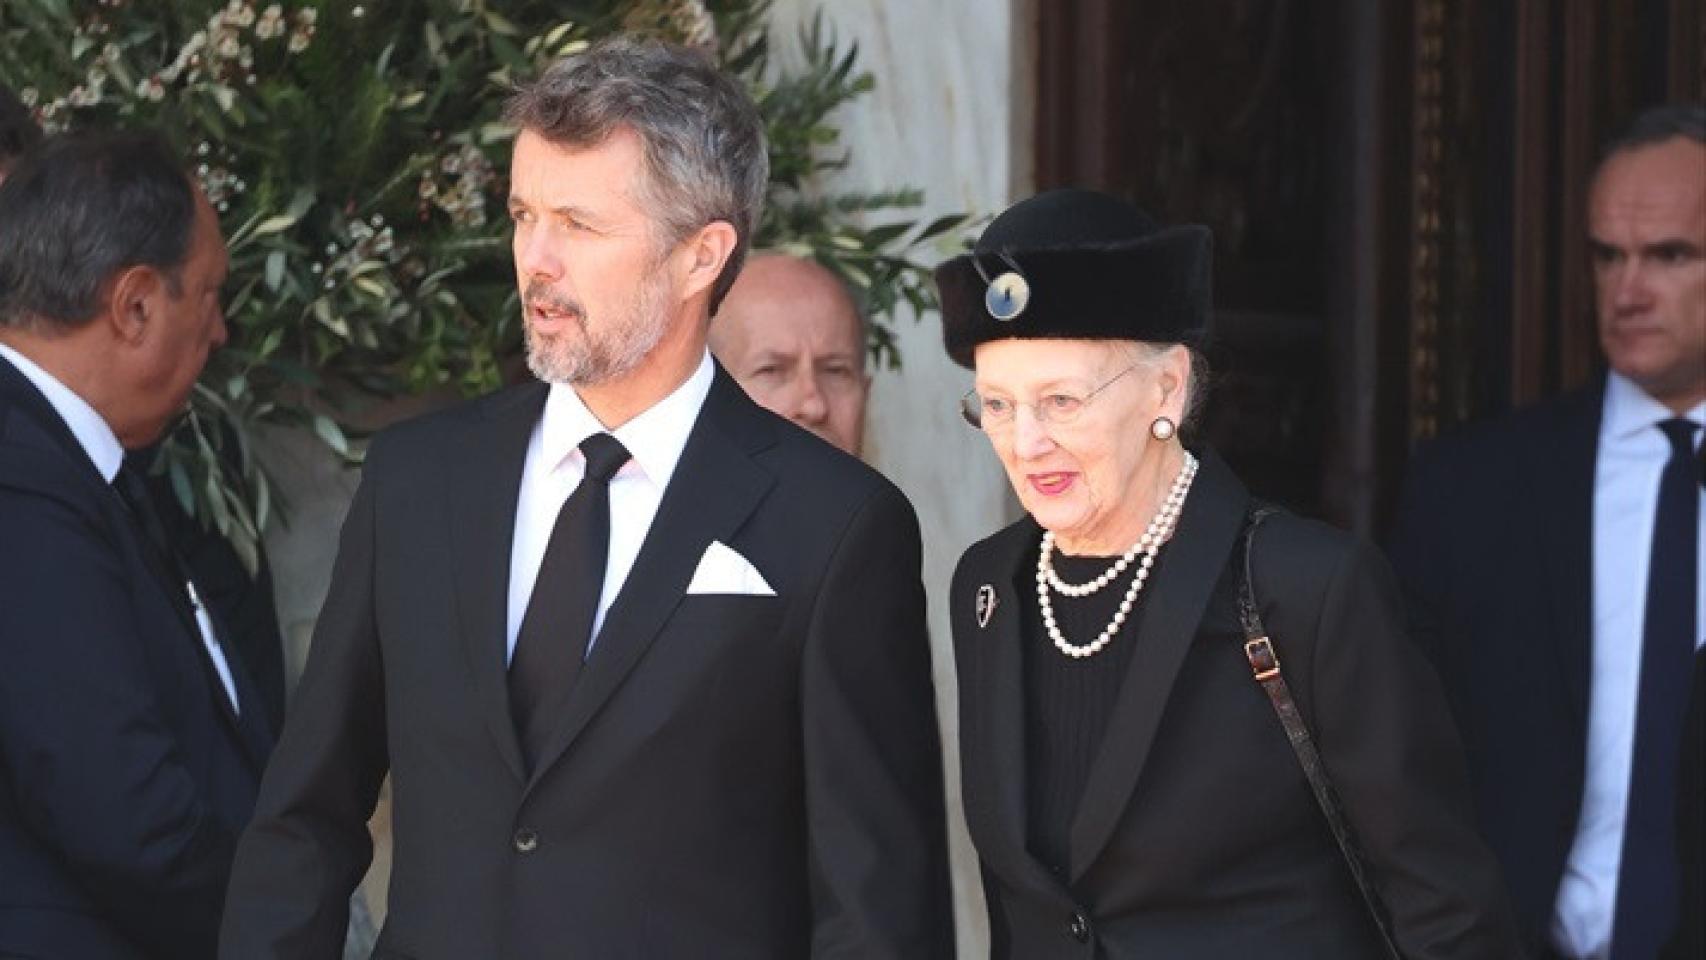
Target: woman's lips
1051, 484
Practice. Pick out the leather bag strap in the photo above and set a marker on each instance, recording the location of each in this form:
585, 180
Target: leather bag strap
1265, 665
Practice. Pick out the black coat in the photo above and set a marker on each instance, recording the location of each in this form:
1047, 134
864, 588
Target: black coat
1494, 546
736, 776
1198, 836
124, 776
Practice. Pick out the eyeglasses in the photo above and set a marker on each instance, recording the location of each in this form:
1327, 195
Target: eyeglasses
1052, 409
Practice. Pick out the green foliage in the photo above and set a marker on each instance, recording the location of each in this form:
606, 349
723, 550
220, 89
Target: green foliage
354, 152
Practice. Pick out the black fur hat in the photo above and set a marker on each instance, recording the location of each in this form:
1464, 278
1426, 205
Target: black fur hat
1076, 264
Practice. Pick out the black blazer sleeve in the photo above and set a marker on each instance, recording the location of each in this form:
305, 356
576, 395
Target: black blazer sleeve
872, 760
308, 844
99, 774
1418, 553
1388, 742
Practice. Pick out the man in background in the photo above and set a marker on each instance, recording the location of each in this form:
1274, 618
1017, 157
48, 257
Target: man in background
1554, 564
794, 339
243, 601
131, 743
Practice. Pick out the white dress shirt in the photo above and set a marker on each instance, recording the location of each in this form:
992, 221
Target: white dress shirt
555, 465
107, 454
1632, 455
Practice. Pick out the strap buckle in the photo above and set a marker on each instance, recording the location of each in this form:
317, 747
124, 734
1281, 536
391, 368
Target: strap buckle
1263, 661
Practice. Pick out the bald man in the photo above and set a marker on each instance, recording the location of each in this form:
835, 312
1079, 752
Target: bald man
792, 336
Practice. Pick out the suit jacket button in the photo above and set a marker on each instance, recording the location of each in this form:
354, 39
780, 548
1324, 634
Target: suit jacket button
525, 840
1079, 928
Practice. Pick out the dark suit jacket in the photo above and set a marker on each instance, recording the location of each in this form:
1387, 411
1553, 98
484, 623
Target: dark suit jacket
1198, 836
735, 776
124, 777
245, 604
1494, 545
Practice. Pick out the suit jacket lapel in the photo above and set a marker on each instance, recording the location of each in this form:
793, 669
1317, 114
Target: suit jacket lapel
717, 458
995, 758
483, 477
38, 410
1562, 466
249, 724
21, 391
250, 728
1177, 595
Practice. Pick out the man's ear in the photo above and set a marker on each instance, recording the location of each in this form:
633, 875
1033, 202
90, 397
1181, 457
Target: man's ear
131, 302
706, 252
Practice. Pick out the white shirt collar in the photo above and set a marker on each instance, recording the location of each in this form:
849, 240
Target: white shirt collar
91, 431
1629, 410
655, 438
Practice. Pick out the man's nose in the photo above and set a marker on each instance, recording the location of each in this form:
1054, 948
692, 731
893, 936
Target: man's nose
1630, 287
536, 255
809, 403
221, 332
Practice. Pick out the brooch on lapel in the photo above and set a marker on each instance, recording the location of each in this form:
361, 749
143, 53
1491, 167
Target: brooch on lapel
985, 605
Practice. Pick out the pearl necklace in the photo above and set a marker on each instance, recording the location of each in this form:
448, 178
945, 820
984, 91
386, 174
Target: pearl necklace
1159, 529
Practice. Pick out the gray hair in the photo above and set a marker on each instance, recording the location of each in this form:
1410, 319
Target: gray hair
701, 135
1149, 353
79, 208
1655, 125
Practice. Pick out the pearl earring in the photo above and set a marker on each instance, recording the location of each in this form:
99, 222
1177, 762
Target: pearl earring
1162, 429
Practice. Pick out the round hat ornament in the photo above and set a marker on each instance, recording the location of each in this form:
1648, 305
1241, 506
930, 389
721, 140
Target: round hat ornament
1007, 296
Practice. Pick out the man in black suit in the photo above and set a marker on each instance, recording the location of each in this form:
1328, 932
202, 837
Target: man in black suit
1554, 564
131, 745
647, 664
242, 601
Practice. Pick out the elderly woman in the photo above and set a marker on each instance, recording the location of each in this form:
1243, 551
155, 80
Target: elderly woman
1127, 777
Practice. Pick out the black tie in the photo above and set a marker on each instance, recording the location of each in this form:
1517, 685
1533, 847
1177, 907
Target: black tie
133, 489
1647, 887
558, 624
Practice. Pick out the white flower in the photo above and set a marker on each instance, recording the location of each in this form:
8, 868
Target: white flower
29, 96
306, 17
228, 48
697, 27
271, 23
298, 42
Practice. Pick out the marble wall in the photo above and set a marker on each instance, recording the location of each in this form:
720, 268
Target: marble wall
951, 95
949, 108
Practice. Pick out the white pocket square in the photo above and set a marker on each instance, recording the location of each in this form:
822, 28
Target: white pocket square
722, 570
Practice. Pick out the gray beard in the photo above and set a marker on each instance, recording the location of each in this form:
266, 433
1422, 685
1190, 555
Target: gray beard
594, 359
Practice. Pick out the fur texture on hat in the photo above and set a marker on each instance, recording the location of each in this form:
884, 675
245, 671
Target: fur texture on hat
1094, 268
